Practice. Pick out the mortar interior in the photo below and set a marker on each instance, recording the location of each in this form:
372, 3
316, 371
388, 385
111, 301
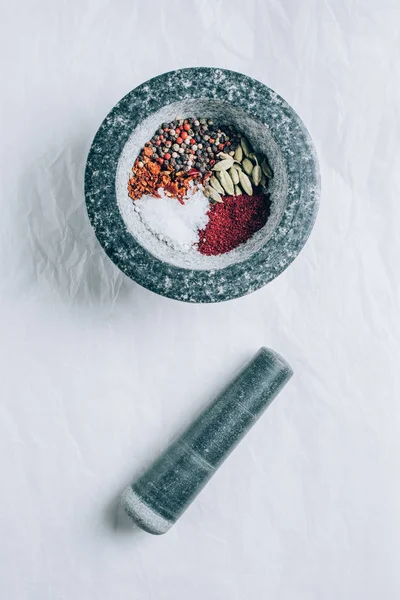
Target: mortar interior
221, 112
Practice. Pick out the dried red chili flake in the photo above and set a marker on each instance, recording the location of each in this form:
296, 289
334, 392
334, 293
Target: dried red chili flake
147, 177
232, 223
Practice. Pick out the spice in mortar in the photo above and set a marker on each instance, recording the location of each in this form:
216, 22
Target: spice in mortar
174, 223
232, 223
189, 158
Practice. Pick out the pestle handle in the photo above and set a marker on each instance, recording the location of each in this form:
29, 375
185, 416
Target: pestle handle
159, 496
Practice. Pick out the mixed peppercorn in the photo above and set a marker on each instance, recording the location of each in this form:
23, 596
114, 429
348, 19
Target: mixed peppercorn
191, 143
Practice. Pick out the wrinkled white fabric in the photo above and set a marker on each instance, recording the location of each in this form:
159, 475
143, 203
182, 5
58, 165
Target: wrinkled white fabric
97, 374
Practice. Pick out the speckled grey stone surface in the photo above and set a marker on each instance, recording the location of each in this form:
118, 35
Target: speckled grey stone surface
158, 498
272, 126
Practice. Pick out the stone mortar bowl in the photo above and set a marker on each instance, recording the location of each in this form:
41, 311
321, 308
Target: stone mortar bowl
272, 127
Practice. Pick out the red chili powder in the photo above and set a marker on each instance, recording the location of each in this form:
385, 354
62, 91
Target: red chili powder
232, 223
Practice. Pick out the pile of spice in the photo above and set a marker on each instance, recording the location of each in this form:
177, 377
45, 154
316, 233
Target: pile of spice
193, 156
175, 224
232, 223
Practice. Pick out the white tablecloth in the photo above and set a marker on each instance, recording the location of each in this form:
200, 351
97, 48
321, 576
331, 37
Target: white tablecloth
98, 374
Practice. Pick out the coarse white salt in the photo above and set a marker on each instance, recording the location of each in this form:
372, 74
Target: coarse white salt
174, 223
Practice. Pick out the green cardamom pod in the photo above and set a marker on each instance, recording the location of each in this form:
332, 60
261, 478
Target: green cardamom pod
213, 194
245, 183
256, 175
263, 180
224, 155
253, 157
216, 185
256, 157
266, 168
234, 174
247, 149
238, 191
227, 183
223, 165
247, 166
238, 153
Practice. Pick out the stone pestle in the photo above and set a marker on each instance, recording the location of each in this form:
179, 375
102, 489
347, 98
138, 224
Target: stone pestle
163, 492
